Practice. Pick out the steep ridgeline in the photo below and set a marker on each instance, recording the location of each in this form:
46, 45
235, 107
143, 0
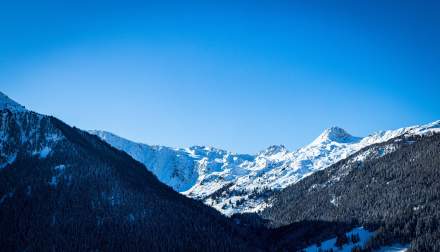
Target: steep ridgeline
9, 104
392, 187
234, 183
63, 189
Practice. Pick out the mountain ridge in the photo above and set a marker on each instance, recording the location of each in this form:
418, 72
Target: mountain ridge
8, 103
390, 187
68, 190
237, 183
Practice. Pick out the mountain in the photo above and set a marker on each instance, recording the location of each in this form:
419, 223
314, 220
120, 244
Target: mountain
391, 187
11, 105
63, 189
237, 183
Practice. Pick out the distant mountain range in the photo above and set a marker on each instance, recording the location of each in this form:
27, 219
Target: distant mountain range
392, 188
238, 183
65, 189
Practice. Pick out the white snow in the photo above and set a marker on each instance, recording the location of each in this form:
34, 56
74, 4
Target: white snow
53, 181
9, 160
200, 172
364, 236
394, 248
60, 168
45, 152
334, 201
23, 127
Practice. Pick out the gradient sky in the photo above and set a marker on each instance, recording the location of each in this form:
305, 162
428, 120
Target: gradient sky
241, 75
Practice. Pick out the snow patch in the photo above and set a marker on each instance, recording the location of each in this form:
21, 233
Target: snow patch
364, 236
334, 201
5, 197
60, 168
54, 181
394, 248
45, 152
9, 160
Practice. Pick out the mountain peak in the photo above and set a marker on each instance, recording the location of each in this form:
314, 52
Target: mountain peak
8, 103
273, 149
335, 134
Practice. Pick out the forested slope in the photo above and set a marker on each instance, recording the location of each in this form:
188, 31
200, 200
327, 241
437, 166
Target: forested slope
393, 188
63, 189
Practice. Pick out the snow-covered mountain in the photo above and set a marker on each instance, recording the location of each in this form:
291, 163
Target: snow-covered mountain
234, 183
394, 184
66, 176
64, 189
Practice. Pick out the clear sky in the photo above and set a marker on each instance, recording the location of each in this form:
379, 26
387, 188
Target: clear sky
240, 75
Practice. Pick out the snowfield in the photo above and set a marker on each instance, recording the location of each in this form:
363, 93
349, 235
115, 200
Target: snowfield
364, 236
234, 183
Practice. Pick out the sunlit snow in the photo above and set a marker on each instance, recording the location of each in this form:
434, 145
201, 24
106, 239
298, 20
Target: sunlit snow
233, 182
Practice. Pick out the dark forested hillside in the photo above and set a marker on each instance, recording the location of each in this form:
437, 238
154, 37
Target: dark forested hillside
62, 189
393, 188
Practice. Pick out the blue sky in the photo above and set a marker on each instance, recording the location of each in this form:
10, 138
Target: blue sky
240, 75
